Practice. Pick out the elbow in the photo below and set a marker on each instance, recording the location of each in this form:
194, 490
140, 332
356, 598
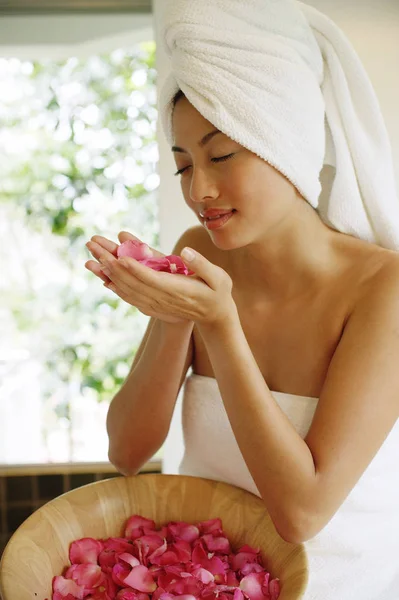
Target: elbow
297, 528
124, 467
293, 535
129, 459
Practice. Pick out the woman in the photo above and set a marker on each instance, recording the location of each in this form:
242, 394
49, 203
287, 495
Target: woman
291, 326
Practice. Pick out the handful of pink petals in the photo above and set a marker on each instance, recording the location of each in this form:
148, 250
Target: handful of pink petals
178, 561
143, 253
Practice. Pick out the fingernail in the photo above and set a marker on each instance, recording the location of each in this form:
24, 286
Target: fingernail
188, 254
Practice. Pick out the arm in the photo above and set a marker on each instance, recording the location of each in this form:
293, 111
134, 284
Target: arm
304, 481
139, 415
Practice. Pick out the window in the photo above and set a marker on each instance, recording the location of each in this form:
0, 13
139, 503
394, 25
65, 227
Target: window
79, 158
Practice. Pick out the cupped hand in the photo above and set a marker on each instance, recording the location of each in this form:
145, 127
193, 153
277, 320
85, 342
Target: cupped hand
105, 253
103, 249
205, 298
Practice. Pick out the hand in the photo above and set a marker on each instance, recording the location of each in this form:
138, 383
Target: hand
204, 298
104, 251
100, 246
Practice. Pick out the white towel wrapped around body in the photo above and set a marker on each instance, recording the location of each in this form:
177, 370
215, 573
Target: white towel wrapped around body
281, 79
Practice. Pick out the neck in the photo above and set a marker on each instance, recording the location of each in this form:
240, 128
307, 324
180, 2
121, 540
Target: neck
297, 256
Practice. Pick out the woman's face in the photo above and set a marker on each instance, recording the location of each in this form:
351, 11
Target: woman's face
218, 173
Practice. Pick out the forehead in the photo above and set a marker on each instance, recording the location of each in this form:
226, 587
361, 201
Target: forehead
188, 123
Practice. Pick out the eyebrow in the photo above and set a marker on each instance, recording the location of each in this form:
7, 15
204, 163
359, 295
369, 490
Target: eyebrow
207, 138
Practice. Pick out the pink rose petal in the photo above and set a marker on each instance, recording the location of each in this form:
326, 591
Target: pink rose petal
88, 575
129, 559
63, 587
177, 265
167, 596
211, 526
252, 585
127, 594
135, 524
134, 249
85, 550
231, 579
183, 531
217, 544
109, 555
143, 254
158, 552
157, 264
158, 593
251, 568
203, 575
241, 559
146, 545
214, 564
238, 595
274, 589
179, 561
141, 579
119, 574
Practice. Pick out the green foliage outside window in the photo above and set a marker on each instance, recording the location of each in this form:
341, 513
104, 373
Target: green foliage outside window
79, 158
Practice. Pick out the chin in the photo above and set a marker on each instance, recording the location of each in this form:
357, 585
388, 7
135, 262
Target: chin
225, 242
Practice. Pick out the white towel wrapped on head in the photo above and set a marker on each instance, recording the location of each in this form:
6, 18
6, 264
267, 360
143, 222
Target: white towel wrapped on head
281, 79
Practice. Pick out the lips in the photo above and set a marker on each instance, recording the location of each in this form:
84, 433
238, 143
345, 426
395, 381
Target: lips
215, 212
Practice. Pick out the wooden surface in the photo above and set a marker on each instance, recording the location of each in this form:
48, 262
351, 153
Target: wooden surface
39, 548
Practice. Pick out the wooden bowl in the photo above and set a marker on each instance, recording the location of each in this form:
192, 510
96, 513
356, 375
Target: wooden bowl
38, 550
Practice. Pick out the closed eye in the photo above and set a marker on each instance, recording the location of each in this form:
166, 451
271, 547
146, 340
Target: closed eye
217, 159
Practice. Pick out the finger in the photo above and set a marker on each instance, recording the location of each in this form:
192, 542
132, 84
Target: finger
100, 253
202, 267
127, 283
109, 267
124, 236
95, 268
139, 301
108, 245
147, 276
158, 290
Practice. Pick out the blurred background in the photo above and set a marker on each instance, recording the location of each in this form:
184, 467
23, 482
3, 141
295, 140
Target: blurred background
82, 153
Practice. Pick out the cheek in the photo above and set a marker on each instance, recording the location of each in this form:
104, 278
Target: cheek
185, 188
246, 187
261, 186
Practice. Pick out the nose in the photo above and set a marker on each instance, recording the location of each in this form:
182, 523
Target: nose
202, 185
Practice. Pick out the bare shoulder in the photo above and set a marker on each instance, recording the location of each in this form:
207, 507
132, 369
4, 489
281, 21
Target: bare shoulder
197, 238
362, 269
376, 305
381, 277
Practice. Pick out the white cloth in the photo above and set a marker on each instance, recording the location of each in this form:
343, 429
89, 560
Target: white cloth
356, 556
281, 79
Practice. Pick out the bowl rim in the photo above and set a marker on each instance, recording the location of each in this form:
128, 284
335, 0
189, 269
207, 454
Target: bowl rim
171, 477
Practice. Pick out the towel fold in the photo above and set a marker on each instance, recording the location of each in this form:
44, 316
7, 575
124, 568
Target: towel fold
281, 79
